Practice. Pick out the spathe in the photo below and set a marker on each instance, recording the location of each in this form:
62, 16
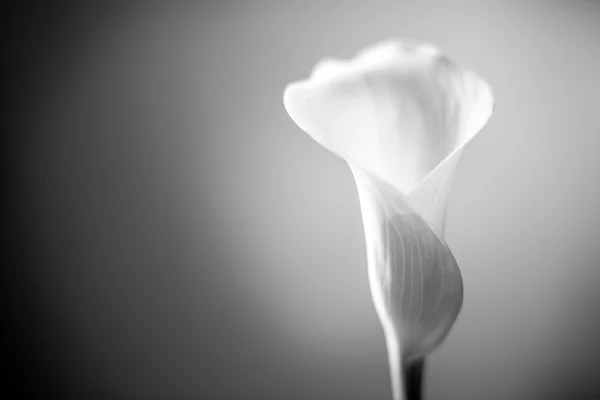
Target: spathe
397, 109
400, 114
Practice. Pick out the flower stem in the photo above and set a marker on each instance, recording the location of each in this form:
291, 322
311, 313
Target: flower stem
406, 373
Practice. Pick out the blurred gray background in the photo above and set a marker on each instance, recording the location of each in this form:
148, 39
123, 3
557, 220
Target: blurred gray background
179, 237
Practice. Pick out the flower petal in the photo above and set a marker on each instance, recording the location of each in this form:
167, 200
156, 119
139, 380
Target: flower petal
430, 198
397, 109
400, 114
415, 281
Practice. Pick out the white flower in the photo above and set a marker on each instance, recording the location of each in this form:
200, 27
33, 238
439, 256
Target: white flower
399, 113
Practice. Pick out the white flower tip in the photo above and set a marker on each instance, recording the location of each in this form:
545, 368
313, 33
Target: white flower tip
399, 52
290, 95
296, 100
327, 69
482, 104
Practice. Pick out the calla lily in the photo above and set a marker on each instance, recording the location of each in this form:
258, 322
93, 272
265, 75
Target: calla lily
400, 114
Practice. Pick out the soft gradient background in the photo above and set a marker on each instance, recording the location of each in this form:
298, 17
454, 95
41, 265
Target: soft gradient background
178, 237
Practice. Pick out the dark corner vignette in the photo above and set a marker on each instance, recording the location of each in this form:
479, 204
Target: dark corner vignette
43, 42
